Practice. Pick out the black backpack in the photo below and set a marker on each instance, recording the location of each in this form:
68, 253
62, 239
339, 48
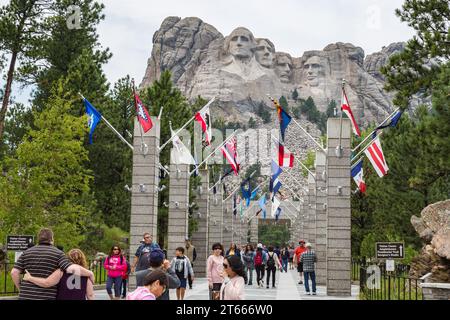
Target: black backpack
271, 261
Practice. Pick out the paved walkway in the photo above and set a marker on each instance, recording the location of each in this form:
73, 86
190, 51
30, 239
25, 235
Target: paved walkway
287, 288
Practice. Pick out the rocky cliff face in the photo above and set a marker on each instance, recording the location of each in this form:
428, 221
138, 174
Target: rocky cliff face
240, 69
433, 226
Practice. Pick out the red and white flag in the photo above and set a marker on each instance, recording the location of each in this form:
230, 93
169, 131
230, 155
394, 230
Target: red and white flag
285, 157
376, 157
229, 151
142, 114
345, 107
204, 118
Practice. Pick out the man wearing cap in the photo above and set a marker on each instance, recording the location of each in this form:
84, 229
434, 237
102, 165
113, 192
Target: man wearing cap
308, 259
158, 262
192, 255
298, 253
141, 256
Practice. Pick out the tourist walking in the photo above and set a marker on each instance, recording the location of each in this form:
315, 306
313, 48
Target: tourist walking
298, 252
248, 259
285, 258
272, 263
182, 267
191, 253
142, 256
308, 259
158, 262
64, 280
154, 284
125, 277
43, 259
260, 259
234, 250
291, 257
214, 271
116, 265
234, 282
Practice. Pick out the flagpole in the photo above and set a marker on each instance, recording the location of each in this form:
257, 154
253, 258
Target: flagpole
186, 124
306, 132
365, 139
215, 150
340, 123
295, 193
305, 167
254, 202
140, 127
112, 128
364, 149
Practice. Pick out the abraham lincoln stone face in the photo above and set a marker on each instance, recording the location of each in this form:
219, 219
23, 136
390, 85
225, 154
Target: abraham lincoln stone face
312, 71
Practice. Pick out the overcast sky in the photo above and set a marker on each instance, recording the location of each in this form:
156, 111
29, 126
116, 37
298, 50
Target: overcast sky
293, 25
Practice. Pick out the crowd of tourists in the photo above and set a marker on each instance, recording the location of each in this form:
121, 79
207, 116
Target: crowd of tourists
48, 273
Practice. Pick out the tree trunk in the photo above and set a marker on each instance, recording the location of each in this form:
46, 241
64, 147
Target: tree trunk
5, 102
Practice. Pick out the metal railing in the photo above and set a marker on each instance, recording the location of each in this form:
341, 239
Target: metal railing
8, 288
390, 285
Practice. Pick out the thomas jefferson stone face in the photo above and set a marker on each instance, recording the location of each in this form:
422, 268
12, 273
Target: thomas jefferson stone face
284, 68
264, 53
241, 43
312, 71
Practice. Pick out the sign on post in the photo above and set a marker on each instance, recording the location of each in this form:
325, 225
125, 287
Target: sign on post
18, 243
390, 250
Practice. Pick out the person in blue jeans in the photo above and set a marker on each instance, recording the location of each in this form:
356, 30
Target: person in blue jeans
308, 259
284, 259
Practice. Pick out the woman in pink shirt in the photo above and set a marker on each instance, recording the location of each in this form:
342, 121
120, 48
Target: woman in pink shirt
233, 286
155, 283
116, 265
214, 269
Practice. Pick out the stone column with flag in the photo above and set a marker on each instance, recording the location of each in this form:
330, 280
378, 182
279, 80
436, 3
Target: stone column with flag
144, 192
177, 230
312, 210
321, 219
338, 208
200, 237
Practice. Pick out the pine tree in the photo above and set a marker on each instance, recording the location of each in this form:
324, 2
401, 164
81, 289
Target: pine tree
295, 95
46, 184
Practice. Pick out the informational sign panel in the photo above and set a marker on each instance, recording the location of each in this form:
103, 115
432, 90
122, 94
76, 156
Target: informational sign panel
390, 250
18, 243
390, 265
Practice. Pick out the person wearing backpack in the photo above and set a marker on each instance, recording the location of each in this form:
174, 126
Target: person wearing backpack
260, 259
115, 264
182, 267
125, 276
272, 263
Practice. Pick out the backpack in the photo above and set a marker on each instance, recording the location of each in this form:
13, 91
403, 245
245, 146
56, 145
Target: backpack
258, 259
271, 261
144, 261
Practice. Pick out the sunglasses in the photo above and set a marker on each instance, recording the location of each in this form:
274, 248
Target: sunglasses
116, 249
217, 248
225, 266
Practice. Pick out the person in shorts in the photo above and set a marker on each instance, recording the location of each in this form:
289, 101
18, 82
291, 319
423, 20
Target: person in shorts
182, 267
298, 253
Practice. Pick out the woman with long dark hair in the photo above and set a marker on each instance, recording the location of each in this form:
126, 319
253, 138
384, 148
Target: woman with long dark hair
116, 265
248, 261
214, 270
234, 283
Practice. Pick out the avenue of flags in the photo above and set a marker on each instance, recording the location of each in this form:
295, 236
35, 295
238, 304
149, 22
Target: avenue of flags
283, 158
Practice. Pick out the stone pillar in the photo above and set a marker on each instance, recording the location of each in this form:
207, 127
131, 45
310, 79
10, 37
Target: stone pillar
215, 224
321, 219
200, 237
304, 222
144, 193
177, 230
338, 210
312, 210
254, 229
227, 223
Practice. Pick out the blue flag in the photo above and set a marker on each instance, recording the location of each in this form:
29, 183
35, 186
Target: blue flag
285, 119
246, 192
262, 205
277, 214
94, 117
254, 193
392, 123
275, 184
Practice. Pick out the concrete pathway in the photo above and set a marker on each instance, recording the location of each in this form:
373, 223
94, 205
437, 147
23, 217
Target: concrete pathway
287, 288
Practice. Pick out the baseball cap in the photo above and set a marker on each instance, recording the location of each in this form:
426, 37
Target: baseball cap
308, 245
259, 245
157, 256
301, 241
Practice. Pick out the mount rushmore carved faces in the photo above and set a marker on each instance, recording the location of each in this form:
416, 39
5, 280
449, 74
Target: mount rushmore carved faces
264, 52
312, 70
283, 66
240, 44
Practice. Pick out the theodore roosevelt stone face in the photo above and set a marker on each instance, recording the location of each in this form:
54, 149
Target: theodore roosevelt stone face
284, 67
